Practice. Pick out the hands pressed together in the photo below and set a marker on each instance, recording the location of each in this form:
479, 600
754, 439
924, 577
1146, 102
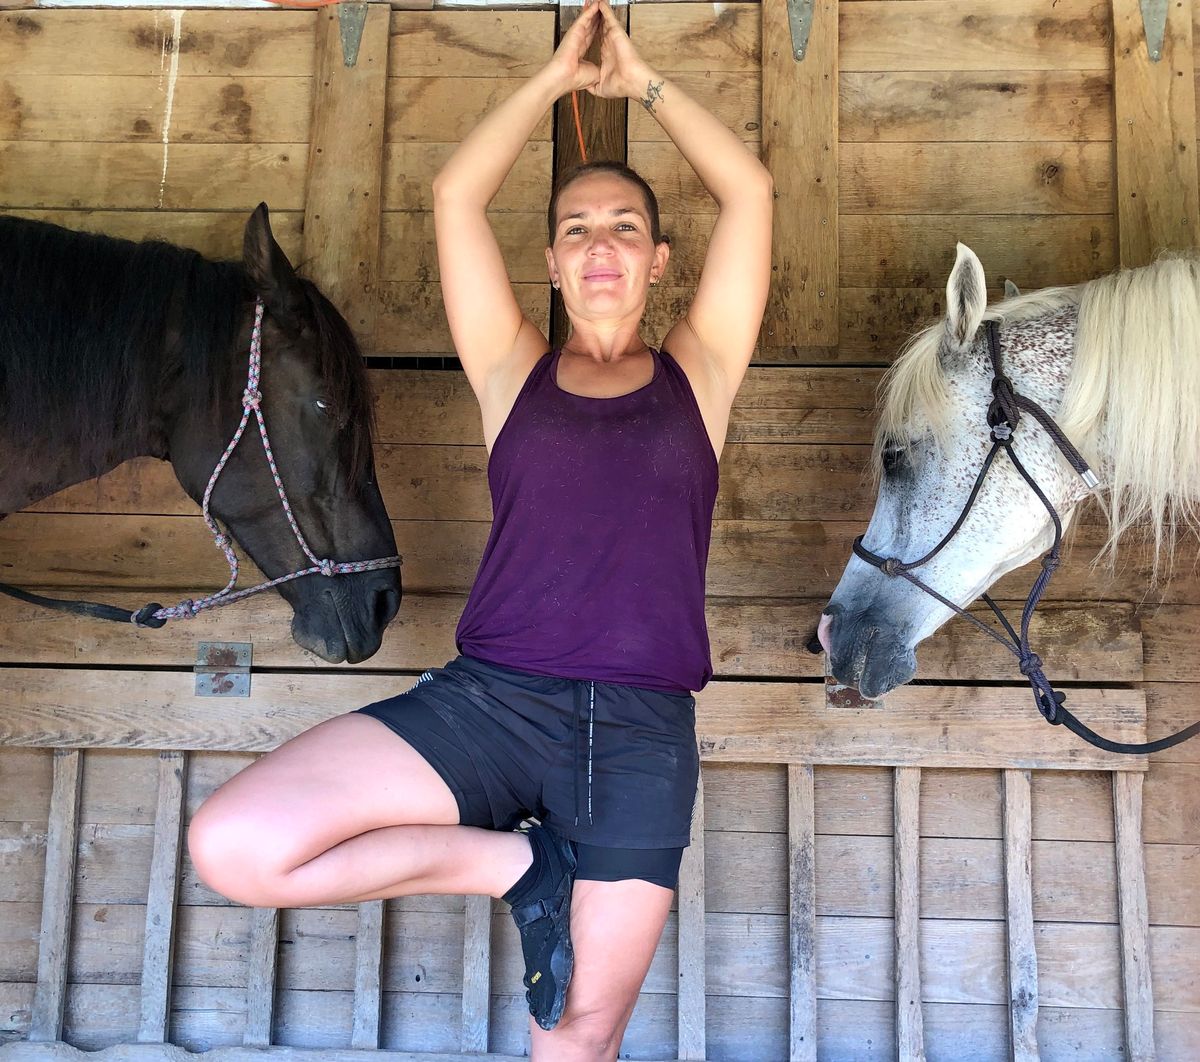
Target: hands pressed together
622, 72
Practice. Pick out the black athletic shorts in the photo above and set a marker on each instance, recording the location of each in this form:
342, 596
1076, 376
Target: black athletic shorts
607, 765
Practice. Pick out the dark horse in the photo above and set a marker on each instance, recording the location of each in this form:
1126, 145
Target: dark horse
111, 350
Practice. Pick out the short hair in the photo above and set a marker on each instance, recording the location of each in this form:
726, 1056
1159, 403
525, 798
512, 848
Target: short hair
620, 169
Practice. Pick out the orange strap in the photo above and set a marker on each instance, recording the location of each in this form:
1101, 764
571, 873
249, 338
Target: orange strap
578, 124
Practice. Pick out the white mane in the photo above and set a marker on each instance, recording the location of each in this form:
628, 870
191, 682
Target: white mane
1132, 402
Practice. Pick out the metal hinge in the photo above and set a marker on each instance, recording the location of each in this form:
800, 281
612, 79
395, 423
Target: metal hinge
223, 669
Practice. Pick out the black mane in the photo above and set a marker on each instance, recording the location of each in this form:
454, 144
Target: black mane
92, 327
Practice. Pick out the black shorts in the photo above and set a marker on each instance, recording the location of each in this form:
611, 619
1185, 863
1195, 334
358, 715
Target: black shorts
608, 766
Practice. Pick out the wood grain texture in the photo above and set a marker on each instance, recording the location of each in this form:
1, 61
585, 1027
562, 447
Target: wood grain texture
1018, 908
158, 950
802, 915
910, 1034
477, 973
1158, 194
692, 949
368, 966
800, 149
342, 200
261, 964
54, 938
1136, 969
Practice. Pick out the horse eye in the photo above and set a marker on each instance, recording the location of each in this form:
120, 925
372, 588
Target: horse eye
892, 456
322, 405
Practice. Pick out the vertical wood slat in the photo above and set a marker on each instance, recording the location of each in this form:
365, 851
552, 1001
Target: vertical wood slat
343, 202
261, 963
802, 914
910, 1034
158, 948
604, 123
368, 976
477, 974
800, 148
692, 960
1158, 201
1018, 885
1134, 917
62, 834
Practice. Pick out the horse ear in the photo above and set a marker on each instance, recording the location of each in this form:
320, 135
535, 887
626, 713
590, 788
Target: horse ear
966, 298
1011, 291
270, 272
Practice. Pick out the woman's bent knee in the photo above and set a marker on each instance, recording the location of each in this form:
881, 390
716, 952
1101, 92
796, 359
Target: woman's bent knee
234, 855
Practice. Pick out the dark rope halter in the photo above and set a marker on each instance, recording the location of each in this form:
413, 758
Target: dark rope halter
154, 614
1003, 416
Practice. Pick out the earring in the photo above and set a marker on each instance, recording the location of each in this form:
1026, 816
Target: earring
554, 284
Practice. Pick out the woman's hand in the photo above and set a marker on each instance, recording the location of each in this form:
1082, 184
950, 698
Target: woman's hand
568, 66
622, 71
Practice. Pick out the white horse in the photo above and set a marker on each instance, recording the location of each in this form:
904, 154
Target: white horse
1115, 361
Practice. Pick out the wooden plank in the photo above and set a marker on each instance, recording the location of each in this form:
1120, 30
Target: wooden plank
800, 148
917, 251
984, 106
1158, 195
411, 318
1170, 707
601, 135
676, 186
368, 967
1001, 178
755, 722
159, 937
1136, 979
464, 44
699, 38
477, 973
124, 43
910, 1035
204, 110
1018, 881
975, 35
409, 169
171, 1053
54, 938
802, 915
441, 109
692, 962
214, 234
345, 166
733, 97
261, 960
409, 251
66, 175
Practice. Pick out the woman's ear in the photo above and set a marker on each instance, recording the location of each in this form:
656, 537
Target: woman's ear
551, 267
662, 253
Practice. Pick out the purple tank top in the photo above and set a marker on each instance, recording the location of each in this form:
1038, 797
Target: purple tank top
602, 510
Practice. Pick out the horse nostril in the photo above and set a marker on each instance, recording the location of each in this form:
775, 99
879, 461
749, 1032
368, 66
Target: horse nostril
387, 604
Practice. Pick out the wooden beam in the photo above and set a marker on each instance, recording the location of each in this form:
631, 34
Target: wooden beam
261, 961
368, 971
477, 974
802, 914
603, 123
1158, 200
158, 947
60, 1052
800, 148
1134, 918
910, 1035
692, 950
49, 997
1018, 884
345, 167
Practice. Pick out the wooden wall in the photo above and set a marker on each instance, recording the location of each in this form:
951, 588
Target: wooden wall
989, 123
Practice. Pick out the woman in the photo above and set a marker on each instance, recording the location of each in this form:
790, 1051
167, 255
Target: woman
584, 631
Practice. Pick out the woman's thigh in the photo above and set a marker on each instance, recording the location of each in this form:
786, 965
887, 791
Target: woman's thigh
615, 929
342, 778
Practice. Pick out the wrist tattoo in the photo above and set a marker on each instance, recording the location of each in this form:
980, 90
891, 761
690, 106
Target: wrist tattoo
654, 93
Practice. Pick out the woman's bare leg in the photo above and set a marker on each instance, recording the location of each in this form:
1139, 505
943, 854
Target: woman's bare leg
615, 926
346, 811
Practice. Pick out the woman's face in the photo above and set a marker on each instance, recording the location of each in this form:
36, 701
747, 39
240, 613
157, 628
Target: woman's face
604, 256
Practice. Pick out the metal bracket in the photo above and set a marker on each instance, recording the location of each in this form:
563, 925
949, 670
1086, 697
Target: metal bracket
800, 19
1154, 19
223, 669
352, 17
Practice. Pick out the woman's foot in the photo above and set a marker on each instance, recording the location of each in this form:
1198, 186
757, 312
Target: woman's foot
541, 908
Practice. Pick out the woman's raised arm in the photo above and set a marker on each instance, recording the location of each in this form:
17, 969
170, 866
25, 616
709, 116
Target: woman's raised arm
720, 329
486, 323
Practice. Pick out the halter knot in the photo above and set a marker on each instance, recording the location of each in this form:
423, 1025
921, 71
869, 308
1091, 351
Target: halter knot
327, 567
891, 566
1030, 663
251, 398
221, 541
188, 608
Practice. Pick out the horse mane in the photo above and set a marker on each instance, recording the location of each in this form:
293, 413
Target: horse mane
92, 328
1132, 400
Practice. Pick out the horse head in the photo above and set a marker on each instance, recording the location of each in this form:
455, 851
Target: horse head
316, 402
933, 437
